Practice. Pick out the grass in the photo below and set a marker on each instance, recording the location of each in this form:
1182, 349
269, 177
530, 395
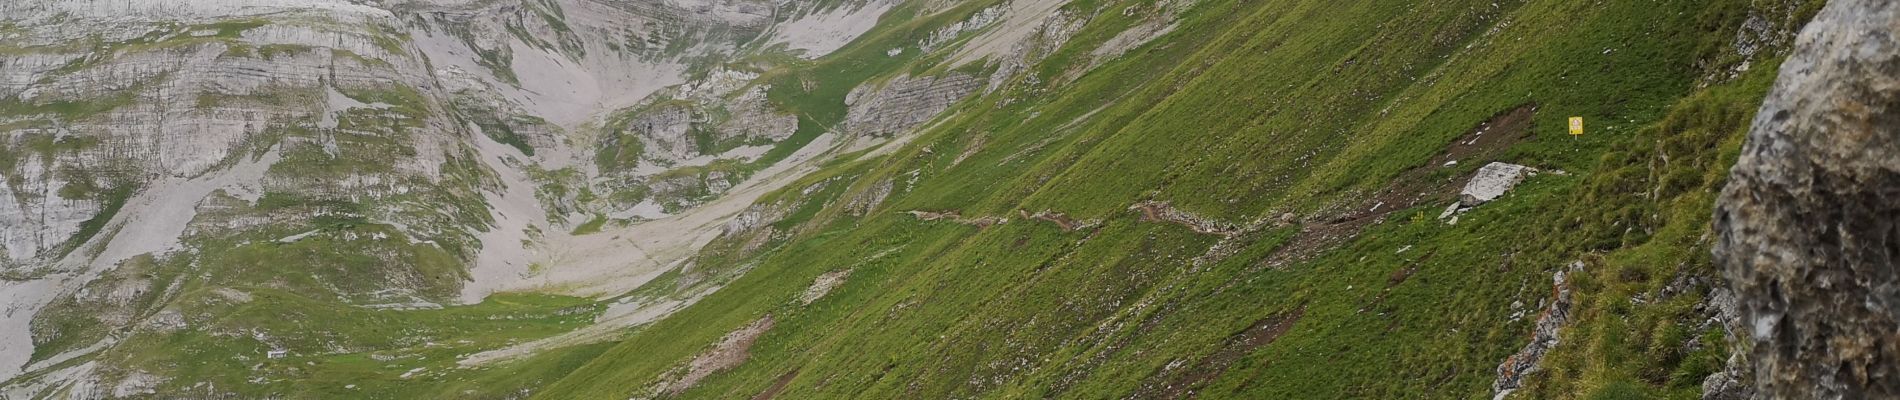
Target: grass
1247, 110
1296, 113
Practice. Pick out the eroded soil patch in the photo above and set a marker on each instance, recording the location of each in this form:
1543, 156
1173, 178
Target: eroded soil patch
730, 352
1414, 187
1168, 384
777, 386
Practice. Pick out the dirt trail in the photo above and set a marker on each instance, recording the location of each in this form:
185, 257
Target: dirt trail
1061, 220
1161, 211
953, 216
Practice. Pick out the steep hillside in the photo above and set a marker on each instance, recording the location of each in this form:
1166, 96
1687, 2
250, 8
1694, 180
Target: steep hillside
872, 199
1250, 206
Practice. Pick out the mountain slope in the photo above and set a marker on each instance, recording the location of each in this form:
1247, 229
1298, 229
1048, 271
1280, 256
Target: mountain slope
1092, 198
1234, 212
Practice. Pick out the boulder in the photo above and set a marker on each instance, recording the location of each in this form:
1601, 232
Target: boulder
1491, 182
1808, 229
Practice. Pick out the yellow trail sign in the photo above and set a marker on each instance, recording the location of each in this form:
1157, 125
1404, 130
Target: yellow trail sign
1576, 125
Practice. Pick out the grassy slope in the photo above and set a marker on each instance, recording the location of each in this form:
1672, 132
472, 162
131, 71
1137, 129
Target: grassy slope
1246, 110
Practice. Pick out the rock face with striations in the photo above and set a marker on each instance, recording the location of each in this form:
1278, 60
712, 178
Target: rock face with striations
1809, 231
904, 103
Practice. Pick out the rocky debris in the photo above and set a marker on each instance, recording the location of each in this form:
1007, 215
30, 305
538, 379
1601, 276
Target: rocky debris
166, 321
1161, 211
1765, 33
754, 217
903, 103
979, 20
1015, 37
1060, 219
1806, 226
1736, 380
729, 352
165, 106
682, 188
666, 130
1156, 21
1544, 337
137, 383
1733, 382
823, 286
1053, 32
233, 295
752, 116
819, 33
866, 201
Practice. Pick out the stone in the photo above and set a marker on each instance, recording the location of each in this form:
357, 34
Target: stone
1808, 231
903, 103
1491, 182
1511, 373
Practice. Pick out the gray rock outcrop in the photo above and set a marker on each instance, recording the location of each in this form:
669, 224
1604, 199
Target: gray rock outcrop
1809, 231
1491, 182
1556, 314
904, 103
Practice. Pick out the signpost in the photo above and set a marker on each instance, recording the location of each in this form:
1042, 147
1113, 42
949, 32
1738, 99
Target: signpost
1576, 126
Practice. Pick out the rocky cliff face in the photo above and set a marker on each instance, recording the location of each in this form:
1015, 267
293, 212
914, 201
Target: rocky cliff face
168, 165
904, 103
161, 137
1808, 229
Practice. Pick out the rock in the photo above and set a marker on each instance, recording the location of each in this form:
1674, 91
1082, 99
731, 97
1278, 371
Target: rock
1491, 182
1511, 373
1450, 210
868, 200
1729, 384
903, 103
666, 132
755, 216
137, 383
754, 117
1808, 231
